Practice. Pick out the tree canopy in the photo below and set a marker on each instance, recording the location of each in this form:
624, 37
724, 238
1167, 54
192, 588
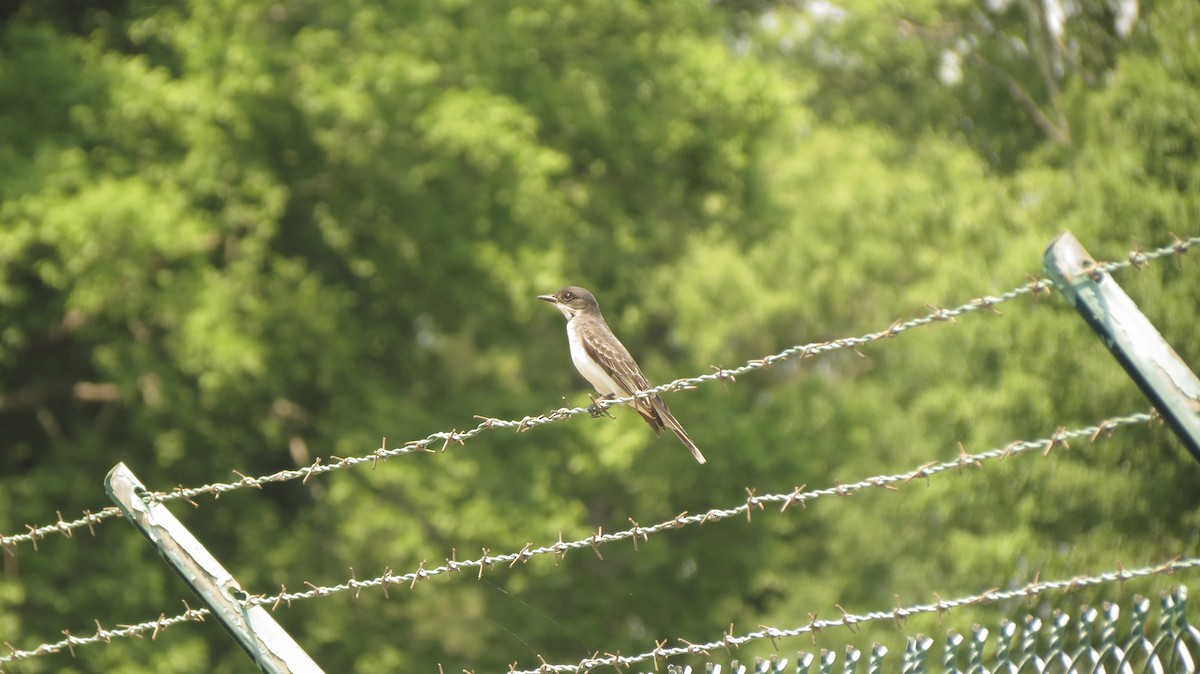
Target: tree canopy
242, 235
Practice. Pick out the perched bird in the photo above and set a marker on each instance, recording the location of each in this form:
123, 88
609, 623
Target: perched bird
605, 362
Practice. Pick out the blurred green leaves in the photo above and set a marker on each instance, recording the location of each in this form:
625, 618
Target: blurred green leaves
272, 231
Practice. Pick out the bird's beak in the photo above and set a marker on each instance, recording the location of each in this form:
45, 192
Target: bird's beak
548, 298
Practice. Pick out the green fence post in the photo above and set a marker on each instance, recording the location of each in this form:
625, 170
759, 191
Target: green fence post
1163, 377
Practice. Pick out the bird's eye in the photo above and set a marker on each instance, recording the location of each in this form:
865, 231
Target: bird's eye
568, 296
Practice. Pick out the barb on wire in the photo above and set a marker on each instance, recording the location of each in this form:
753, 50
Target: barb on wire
439, 441
1139, 259
850, 620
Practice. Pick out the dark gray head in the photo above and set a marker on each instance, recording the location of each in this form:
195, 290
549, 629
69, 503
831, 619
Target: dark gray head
572, 300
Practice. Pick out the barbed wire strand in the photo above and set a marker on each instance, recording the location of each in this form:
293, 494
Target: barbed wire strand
637, 533
106, 635
89, 520
850, 620
1136, 258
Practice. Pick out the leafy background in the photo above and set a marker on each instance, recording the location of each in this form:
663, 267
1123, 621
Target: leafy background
247, 234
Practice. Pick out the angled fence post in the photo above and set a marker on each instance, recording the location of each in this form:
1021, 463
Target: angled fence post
1161, 374
271, 648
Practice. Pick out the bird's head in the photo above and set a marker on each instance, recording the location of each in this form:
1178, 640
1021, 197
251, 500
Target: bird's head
571, 301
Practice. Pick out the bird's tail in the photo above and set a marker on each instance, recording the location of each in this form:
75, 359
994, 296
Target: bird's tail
667, 419
683, 436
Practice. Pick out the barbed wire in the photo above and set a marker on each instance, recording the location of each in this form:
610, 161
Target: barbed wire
89, 520
106, 635
1136, 258
637, 533
849, 620
753, 502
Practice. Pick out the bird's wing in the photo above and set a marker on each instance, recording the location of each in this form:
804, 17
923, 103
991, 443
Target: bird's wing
611, 354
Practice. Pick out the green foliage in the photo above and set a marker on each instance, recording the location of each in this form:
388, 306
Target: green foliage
244, 235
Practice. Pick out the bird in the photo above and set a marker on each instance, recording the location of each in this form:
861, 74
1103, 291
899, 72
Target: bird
605, 362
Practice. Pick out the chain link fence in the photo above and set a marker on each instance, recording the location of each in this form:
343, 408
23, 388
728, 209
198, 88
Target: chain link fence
1095, 641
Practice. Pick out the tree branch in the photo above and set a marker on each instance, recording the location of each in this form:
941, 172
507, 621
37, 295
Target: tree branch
84, 391
1058, 134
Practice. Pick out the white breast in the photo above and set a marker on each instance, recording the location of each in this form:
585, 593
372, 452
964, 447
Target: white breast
587, 367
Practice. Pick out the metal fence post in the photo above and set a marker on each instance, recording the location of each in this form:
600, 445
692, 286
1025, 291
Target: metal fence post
1161, 374
271, 648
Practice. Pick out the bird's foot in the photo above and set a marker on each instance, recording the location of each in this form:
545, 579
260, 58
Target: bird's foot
596, 410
